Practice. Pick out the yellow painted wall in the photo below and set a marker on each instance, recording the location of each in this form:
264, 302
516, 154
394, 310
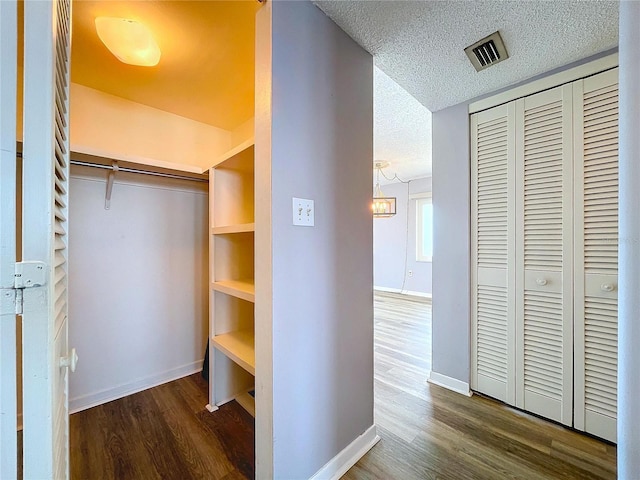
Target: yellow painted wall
243, 132
109, 126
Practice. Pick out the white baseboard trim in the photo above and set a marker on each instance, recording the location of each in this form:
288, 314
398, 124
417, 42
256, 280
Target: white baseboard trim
450, 383
90, 400
402, 292
347, 458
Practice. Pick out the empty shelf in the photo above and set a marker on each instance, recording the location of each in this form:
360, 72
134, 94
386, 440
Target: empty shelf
244, 289
239, 228
238, 346
247, 402
235, 155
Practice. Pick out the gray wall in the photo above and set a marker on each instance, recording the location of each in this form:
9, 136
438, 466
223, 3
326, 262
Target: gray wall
394, 239
451, 322
322, 149
138, 283
629, 250
451, 242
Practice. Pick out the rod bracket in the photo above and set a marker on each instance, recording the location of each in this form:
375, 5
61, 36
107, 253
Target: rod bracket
110, 179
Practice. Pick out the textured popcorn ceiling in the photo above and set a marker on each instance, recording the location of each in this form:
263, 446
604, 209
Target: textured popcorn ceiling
402, 130
420, 44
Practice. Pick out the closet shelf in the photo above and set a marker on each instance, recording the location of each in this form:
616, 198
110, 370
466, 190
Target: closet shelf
239, 347
238, 228
99, 157
247, 402
236, 154
244, 289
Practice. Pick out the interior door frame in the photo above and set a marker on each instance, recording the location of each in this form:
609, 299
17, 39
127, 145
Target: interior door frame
8, 346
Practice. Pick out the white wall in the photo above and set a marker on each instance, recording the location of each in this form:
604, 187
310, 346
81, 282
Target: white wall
138, 283
322, 149
394, 242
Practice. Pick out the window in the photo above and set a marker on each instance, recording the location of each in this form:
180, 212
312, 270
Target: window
424, 243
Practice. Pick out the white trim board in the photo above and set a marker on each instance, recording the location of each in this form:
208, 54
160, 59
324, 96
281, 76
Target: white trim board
150, 162
90, 400
416, 196
570, 75
403, 292
449, 383
347, 458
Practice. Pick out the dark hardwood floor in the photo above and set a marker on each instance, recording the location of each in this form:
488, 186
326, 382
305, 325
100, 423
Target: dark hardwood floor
427, 431
163, 433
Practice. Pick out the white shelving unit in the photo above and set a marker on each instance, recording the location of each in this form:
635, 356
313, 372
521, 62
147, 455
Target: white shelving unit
238, 346
240, 228
232, 296
243, 289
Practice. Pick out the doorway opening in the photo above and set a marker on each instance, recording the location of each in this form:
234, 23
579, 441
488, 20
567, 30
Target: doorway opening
402, 257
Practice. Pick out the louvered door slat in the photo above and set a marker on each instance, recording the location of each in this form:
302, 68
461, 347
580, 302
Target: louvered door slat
596, 257
598, 125
492, 147
540, 115
61, 169
543, 240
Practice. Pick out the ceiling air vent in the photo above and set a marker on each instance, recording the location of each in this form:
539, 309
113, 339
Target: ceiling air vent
488, 51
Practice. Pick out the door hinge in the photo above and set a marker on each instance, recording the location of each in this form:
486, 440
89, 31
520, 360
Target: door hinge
8, 301
27, 275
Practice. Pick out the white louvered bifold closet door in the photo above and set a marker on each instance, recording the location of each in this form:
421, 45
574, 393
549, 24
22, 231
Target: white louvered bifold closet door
544, 239
596, 254
46, 357
492, 151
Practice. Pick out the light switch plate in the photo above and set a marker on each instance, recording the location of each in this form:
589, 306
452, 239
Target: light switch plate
303, 212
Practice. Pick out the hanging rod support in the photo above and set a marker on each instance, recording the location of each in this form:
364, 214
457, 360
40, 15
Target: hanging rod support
110, 178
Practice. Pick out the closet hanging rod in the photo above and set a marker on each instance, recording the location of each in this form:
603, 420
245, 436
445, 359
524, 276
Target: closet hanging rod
132, 170
141, 172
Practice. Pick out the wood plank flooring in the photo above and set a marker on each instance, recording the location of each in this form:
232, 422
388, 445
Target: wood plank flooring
164, 432
428, 432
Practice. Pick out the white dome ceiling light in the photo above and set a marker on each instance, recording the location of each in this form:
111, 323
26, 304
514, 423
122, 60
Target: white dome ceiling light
129, 40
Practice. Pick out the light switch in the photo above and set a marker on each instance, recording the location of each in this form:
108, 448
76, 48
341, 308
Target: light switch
303, 212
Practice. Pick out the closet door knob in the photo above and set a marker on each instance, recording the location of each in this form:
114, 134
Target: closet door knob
541, 281
607, 287
70, 361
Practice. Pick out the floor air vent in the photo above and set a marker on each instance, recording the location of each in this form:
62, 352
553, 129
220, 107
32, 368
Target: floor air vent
486, 52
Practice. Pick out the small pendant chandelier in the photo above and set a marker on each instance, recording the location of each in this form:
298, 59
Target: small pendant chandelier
382, 206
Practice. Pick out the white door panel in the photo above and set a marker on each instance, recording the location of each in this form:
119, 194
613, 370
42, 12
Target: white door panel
45, 190
493, 273
596, 255
544, 240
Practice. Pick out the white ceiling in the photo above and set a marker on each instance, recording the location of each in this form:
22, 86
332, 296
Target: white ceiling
402, 130
420, 45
